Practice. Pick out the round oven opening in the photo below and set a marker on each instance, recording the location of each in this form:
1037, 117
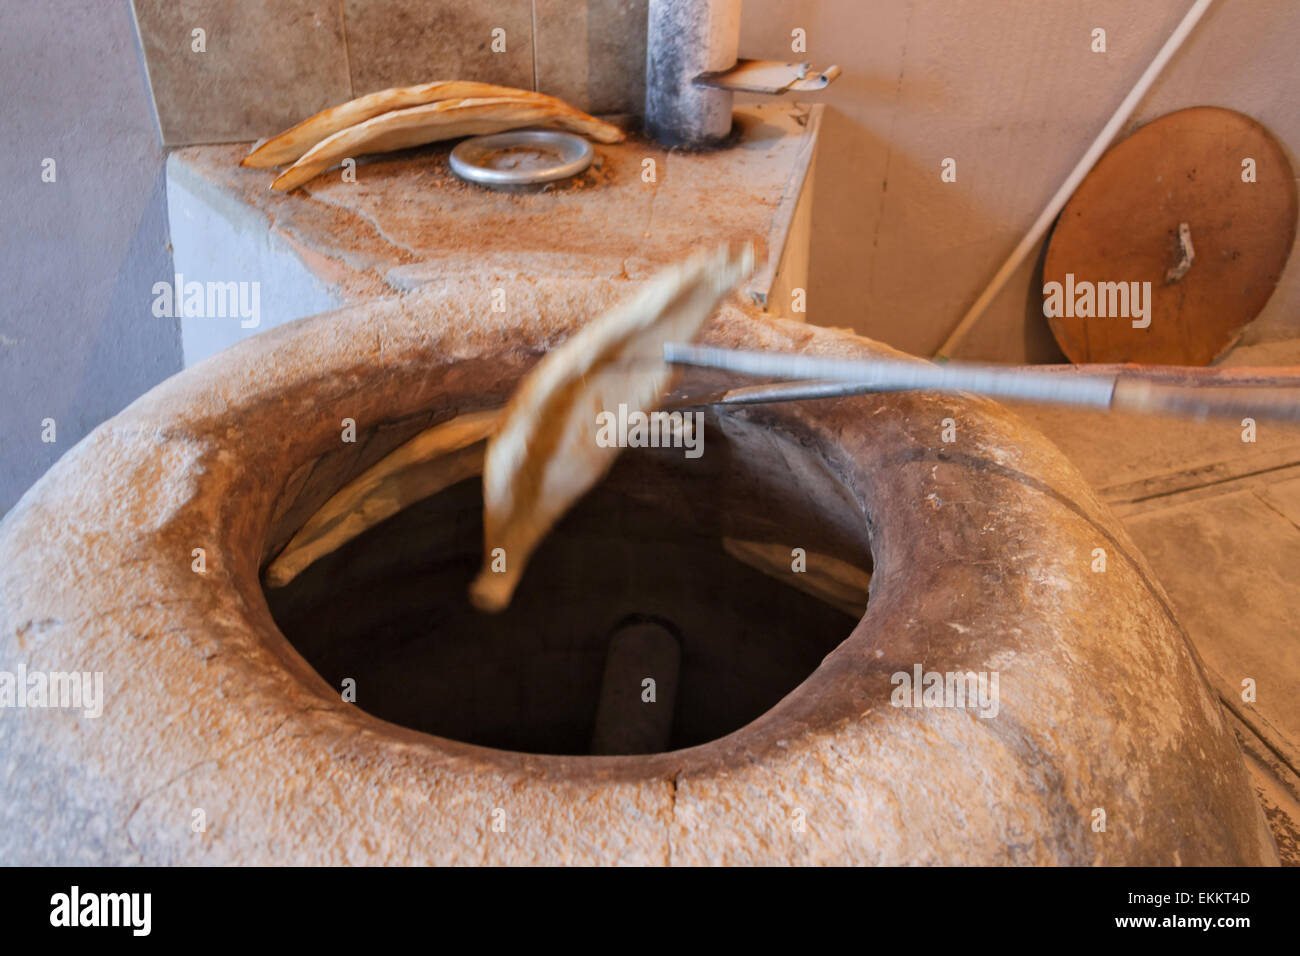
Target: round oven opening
634, 628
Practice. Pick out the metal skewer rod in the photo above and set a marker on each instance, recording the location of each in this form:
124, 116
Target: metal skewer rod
891, 375
833, 378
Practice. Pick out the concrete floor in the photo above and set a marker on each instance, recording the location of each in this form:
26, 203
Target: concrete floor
1218, 518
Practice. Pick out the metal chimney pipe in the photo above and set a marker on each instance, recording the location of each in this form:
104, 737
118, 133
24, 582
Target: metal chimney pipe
685, 38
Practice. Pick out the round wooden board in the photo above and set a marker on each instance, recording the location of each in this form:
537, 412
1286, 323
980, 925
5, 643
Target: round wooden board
1122, 225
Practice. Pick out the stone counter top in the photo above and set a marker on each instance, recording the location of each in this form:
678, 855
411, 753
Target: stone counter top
407, 221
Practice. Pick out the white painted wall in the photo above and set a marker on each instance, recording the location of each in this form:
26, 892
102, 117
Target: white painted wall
1011, 90
79, 256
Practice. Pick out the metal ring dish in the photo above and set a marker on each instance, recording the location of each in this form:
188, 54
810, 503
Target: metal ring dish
521, 157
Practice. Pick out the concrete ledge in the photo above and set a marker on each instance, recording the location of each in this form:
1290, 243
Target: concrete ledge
407, 221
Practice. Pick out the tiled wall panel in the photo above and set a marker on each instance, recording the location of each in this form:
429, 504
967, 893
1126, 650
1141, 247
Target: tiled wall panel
265, 66
262, 66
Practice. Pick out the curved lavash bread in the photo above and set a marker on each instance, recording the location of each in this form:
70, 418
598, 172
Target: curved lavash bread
435, 459
293, 142
447, 119
298, 139
545, 456
828, 579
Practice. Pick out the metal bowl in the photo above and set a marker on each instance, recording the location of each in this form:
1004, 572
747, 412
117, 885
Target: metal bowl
521, 157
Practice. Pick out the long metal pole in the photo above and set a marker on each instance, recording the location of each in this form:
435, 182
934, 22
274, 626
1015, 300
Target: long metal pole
1130, 391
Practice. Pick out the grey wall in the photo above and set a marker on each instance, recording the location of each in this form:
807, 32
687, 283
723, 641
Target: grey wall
79, 256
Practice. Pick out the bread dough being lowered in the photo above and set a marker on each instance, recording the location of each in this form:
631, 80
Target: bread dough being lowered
545, 456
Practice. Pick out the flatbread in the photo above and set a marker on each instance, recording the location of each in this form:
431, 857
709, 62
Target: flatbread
545, 455
829, 580
447, 119
293, 142
435, 459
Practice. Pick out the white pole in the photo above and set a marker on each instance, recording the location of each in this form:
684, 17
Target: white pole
1039, 228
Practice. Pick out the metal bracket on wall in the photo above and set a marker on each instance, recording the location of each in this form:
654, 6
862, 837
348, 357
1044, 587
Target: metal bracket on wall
769, 76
